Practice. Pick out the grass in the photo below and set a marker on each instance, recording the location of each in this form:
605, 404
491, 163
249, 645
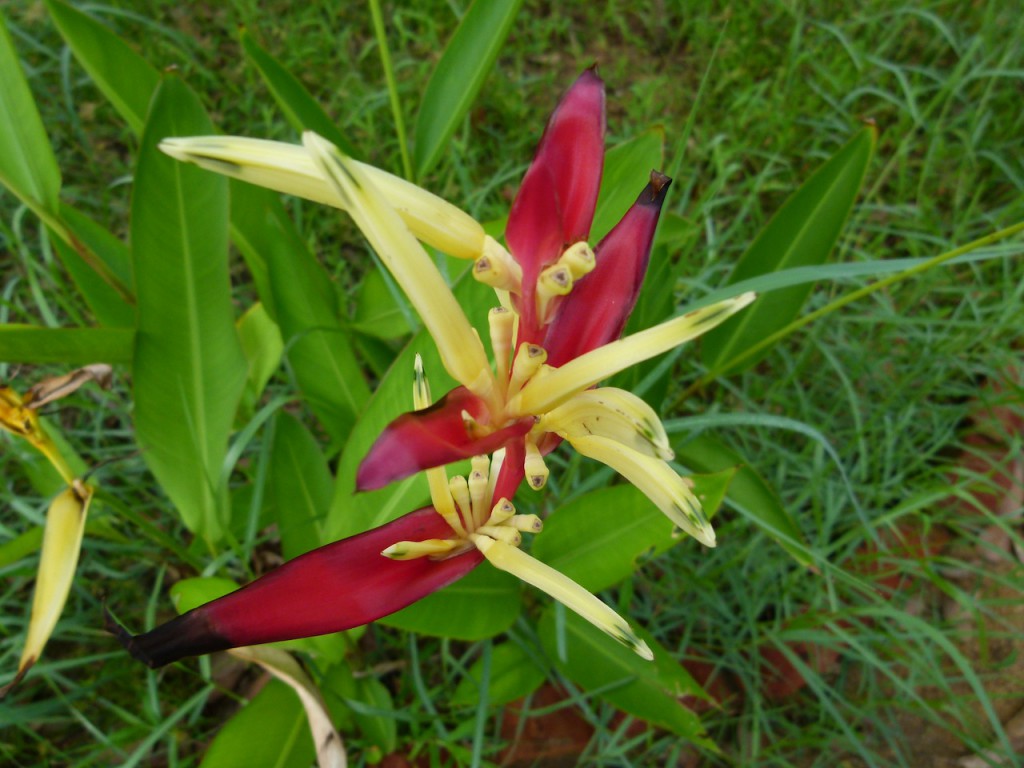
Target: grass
890, 383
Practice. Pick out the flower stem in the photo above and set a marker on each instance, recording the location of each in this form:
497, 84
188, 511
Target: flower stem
389, 75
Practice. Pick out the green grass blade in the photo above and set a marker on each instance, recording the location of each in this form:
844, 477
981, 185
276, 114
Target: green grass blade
122, 75
69, 346
299, 107
459, 76
802, 233
749, 492
300, 486
189, 368
27, 163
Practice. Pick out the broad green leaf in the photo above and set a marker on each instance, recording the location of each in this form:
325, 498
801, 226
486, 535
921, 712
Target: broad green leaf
191, 593
71, 346
300, 109
649, 690
459, 76
189, 368
802, 233
271, 731
627, 169
748, 492
28, 166
303, 303
377, 312
87, 244
599, 539
122, 75
262, 346
513, 674
300, 486
482, 604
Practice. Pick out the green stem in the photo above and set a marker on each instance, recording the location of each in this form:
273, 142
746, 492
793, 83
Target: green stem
849, 298
389, 75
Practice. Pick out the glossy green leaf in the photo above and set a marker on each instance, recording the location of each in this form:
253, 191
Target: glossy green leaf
271, 731
300, 485
189, 368
627, 169
513, 674
482, 604
71, 346
599, 539
262, 346
377, 312
87, 244
802, 233
191, 593
649, 690
303, 303
300, 109
748, 492
122, 75
28, 166
459, 76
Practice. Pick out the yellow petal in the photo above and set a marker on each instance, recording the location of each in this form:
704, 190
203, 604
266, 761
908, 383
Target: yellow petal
656, 479
288, 168
62, 541
613, 413
563, 589
461, 351
330, 750
588, 369
410, 550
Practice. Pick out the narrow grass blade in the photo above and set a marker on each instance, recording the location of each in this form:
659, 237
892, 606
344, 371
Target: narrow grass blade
748, 491
299, 107
189, 368
62, 541
121, 74
802, 233
459, 76
72, 346
650, 691
28, 166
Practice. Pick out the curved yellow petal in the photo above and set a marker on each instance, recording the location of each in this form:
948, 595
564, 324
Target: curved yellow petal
656, 479
289, 168
612, 413
62, 541
461, 351
559, 384
563, 589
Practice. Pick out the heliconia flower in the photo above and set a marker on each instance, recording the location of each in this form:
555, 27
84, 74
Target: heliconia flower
368, 576
563, 304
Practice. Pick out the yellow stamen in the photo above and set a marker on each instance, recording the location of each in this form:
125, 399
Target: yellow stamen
459, 489
534, 466
529, 359
505, 533
478, 489
497, 268
559, 384
502, 511
579, 259
289, 168
562, 588
501, 322
411, 550
527, 523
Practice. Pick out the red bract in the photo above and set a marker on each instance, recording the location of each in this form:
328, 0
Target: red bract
553, 210
339, 586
